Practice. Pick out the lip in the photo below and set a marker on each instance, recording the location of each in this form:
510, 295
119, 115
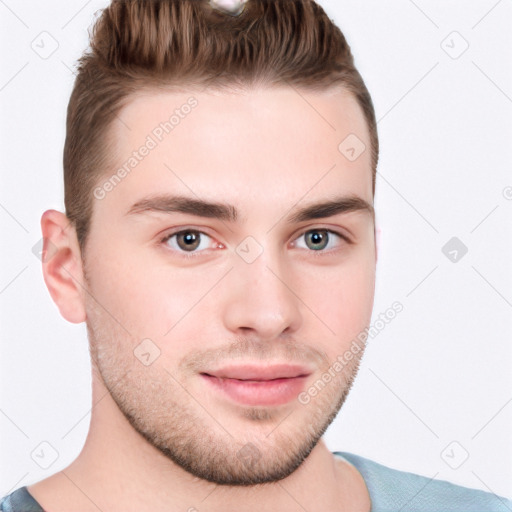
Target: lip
259, 385
259, 372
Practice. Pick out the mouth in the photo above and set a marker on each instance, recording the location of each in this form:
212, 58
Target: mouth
258, 385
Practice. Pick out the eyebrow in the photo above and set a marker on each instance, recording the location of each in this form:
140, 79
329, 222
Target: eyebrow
226, 212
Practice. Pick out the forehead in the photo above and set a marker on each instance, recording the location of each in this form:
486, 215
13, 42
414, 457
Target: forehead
265, 145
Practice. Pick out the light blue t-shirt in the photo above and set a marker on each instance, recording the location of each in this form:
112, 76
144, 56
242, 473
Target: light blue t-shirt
392, 490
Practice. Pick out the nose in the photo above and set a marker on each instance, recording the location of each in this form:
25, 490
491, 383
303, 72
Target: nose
261, 299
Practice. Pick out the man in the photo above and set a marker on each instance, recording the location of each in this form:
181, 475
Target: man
219, 243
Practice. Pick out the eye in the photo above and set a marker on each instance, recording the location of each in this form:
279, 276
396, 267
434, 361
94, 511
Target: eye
321, 240
187, 241
190, 242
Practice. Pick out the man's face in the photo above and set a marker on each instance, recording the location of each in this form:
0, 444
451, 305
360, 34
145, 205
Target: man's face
169, 314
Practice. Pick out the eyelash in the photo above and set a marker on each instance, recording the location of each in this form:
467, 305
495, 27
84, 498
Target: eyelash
316, 254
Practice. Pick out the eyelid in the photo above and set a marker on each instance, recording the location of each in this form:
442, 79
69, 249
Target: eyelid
345, 239
330, 229
183, 229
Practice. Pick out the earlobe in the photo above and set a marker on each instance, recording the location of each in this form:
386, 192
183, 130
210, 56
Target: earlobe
62, 265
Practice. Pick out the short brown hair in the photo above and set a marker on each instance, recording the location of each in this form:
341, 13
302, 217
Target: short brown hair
143, 44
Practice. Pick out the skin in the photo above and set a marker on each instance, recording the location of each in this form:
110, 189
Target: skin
160, 427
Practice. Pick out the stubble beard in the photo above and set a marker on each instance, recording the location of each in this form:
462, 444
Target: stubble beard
255, 445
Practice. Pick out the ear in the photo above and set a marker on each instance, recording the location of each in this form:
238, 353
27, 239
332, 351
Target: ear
62, 265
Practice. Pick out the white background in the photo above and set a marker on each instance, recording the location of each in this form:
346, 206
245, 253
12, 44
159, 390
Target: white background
441, 371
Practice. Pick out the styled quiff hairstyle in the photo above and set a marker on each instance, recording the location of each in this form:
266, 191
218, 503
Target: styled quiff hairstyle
140, 45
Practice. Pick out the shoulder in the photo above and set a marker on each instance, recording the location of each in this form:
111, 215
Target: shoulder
19, 500
391, 490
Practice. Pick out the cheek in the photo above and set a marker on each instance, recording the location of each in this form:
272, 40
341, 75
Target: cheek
343, 298
130, 295
159, 302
